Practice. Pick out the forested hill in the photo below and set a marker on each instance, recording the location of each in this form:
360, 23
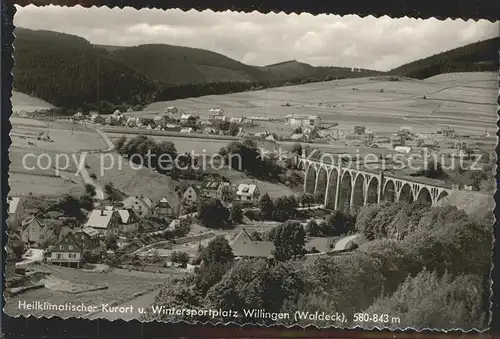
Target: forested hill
477, 57
68, 71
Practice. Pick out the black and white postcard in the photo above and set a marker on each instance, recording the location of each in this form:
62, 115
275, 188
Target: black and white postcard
248, 168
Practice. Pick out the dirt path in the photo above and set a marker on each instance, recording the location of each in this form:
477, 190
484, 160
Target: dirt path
85, 174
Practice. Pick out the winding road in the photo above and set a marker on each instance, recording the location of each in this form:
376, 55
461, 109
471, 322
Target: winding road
99, 192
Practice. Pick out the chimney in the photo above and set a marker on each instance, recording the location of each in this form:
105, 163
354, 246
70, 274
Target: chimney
102, 212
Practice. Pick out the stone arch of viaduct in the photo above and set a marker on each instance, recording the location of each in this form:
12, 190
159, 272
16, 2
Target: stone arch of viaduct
344, 188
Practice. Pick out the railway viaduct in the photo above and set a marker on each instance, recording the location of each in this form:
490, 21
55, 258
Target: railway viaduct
345, 187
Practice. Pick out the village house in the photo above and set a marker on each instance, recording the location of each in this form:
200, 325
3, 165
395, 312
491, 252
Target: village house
185, 117
171, 110
244, 246
88, 243
96, 118
32, 230
73, 249
104, 221
221, 190
132, 122
163, 208
216, 114
16, 210
78, 116
248, 194
192, 194
141, 205
160, 120
67, 252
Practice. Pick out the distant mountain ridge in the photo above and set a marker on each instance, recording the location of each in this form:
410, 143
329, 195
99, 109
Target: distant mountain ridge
68, 71
476, 57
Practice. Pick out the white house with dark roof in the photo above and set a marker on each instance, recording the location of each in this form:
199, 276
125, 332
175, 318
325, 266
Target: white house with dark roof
141, 205
105, 221
247, 193
244, 246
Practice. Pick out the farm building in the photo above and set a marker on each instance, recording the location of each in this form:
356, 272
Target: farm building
215, 112
303, 120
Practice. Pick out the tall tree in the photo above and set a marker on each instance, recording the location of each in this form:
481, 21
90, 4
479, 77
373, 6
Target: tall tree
289, 241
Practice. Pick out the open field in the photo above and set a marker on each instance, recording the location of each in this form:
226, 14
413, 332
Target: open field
24, 102
379, 104
27, 184
121, 285
34, 162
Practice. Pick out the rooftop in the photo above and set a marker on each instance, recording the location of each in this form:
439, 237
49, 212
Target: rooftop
99, 219
244, 246
246, 189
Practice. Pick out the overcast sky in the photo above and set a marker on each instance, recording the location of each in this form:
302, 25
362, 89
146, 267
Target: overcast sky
262, 39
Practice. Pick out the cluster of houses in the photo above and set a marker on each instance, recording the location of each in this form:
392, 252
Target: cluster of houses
246, 194
171, 119
129, 217
175, 120
73, 243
